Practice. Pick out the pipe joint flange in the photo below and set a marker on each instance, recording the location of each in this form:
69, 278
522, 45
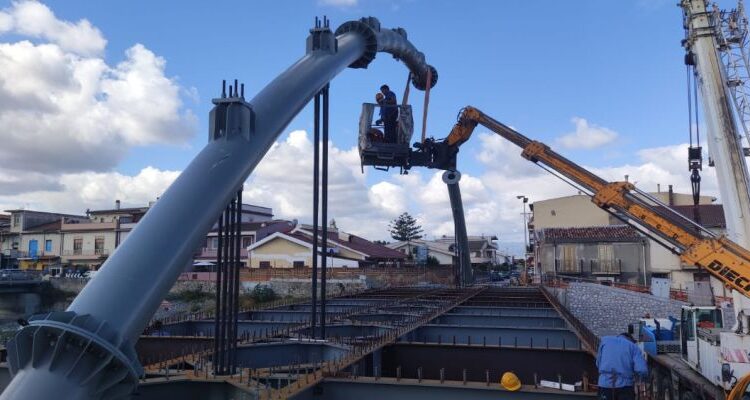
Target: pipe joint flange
80, 346
368, 34
451, 177
420, 80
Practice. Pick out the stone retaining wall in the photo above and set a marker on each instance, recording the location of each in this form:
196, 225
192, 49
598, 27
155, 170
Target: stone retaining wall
607, 310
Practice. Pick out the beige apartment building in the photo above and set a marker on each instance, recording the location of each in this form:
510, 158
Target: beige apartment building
581, 250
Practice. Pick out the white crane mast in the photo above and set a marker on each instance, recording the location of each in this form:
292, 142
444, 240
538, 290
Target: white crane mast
724, 140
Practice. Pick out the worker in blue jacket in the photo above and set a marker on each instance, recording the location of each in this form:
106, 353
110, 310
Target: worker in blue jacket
620, 362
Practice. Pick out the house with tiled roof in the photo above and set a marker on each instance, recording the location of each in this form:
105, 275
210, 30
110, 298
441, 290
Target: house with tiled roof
294, 249
616, 252
573, 236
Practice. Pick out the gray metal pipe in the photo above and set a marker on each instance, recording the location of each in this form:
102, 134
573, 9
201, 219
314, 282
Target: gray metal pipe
465, 272
87, 352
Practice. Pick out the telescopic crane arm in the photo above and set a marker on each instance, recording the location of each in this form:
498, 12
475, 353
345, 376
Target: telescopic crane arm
724, 259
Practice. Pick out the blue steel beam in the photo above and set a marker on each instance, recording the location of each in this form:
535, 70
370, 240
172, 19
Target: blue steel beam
206, 328
371, 389
506, 311
479, 335
504, 321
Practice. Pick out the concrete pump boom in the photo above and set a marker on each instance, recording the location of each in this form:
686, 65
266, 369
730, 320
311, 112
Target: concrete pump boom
724, 259
87, 352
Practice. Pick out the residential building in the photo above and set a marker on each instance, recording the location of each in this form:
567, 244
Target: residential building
5, 260
613, 252
483, 249
294, 249
250, 232
579, 212
55, 242
441, 250
34, 239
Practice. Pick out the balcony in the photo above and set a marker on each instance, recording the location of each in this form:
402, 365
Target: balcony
210, 253
606, 267
568, 267
22, 254
82, 254
88, 226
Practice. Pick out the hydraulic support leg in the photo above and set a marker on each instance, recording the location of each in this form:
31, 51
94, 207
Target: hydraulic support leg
465, 273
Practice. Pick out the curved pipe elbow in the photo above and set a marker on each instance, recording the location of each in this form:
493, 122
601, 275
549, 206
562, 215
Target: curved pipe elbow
394, 42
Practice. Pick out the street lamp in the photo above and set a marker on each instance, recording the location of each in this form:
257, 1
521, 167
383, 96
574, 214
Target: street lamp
524, 200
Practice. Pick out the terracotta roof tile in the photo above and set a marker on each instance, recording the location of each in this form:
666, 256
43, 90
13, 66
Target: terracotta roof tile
612, 233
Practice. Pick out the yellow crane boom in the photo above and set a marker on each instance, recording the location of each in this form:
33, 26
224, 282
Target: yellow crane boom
722, 258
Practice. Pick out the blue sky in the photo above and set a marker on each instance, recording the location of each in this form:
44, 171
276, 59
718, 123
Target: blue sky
547, 68
531, 64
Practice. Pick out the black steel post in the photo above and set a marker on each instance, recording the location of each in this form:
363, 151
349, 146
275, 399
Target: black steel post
324, 216
217, 311
316, 196
224, 291
237, 267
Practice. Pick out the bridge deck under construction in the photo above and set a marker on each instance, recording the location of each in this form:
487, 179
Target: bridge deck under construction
421, 342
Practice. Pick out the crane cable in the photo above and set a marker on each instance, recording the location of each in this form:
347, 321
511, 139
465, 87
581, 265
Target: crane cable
695, 156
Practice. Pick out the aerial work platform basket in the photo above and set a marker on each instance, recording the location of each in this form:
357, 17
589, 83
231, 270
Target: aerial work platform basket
373, 148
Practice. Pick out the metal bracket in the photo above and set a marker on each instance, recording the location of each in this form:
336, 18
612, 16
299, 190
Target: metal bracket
321, 39
231, 115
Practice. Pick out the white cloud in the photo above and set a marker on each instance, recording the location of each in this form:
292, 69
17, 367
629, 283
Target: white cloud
586, 136
77, 192
283, 180
61, 101
34, 19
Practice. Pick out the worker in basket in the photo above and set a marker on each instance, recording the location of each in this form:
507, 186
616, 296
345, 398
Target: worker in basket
620, 362
386, 99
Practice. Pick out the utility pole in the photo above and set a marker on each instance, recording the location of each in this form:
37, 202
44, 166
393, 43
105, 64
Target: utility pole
524, 200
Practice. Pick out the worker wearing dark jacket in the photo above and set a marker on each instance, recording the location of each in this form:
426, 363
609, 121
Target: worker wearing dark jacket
389, 114
619, 361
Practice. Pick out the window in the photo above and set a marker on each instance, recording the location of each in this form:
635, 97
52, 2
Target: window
264, 264
298, 264
77, 246
606, 256
48, 245
16, 220
247, 241
568, 258
99, 245
478, 254
213, 243
688, 325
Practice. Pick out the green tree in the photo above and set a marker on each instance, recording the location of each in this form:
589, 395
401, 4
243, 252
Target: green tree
405, 228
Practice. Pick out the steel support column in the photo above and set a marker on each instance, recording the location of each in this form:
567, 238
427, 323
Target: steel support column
316, 199
324, 212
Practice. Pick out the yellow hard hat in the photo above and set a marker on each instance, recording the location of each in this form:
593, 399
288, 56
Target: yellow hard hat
510, 382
